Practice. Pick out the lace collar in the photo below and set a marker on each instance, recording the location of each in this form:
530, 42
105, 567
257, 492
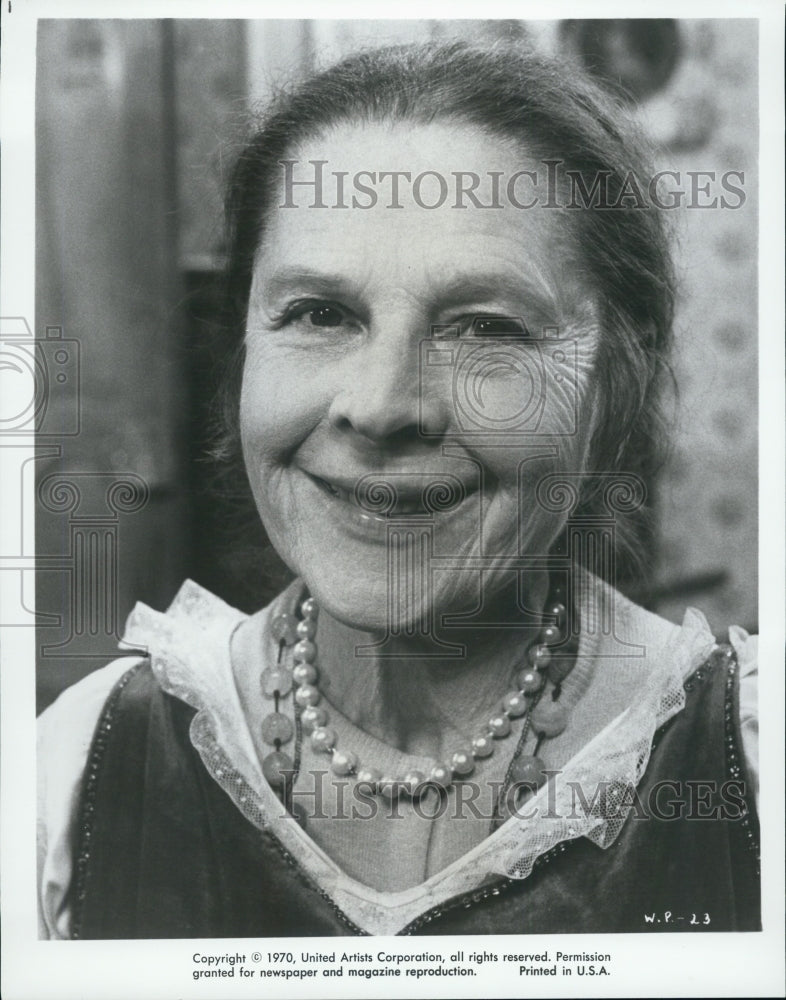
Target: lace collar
189, 650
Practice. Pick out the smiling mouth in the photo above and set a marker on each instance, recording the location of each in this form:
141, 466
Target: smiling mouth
382, 497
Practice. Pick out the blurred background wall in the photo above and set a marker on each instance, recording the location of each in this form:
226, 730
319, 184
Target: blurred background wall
137, 126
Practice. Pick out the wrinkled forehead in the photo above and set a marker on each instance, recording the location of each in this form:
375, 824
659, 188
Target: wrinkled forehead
427, 170
422, 201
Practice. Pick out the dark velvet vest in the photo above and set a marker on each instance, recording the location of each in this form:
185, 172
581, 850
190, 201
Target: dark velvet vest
163, 852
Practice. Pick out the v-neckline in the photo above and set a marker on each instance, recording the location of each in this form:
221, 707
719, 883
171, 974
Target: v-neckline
190, 653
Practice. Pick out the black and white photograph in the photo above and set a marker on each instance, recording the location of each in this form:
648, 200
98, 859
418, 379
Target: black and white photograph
393, 494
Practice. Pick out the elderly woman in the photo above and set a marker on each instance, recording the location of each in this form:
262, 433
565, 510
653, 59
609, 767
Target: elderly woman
454, 314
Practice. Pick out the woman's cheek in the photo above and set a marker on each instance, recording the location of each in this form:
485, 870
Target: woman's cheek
276, 405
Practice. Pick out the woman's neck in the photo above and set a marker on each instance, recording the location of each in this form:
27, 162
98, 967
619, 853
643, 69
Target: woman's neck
418, 702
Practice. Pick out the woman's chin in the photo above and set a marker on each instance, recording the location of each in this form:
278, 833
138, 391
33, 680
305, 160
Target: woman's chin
366, 605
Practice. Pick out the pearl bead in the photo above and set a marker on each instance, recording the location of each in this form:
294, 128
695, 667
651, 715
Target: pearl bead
305, 651
482, 746
275, 767
549, 718
413, 780
307, 694
499, 726
312, 717
306, 629
344, 762
304, 673
539, 656
527, 770
274, 680
514, 704
369, 776
283, 628
277, 727
323, 739
310, 609
530, 680
441, 775
462, 763
557, 609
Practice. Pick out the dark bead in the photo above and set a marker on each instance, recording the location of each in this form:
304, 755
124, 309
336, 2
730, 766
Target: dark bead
277, 727
528, 770
284, 629
549, 718
277, 768
276, 680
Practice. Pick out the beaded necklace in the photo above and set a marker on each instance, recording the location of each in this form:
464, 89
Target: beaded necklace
550, 658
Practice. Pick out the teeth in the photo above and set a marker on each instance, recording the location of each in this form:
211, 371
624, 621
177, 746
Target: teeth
412, 505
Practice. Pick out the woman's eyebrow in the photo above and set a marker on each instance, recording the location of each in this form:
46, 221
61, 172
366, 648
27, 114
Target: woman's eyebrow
290, 276
474, 286
460, 288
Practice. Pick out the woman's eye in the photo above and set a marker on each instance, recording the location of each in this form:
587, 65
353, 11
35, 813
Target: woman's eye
315, 315
499, 326
325, 316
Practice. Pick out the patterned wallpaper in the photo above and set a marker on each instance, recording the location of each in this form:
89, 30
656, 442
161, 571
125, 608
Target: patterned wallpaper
707, 119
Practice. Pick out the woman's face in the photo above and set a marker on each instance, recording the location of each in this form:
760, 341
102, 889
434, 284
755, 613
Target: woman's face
415, 347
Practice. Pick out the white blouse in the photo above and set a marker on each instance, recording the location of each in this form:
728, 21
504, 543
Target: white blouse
624, 686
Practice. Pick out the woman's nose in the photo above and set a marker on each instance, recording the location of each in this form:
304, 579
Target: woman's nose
382, 397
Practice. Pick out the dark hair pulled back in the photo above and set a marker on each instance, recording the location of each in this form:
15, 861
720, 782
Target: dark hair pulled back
554, 112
